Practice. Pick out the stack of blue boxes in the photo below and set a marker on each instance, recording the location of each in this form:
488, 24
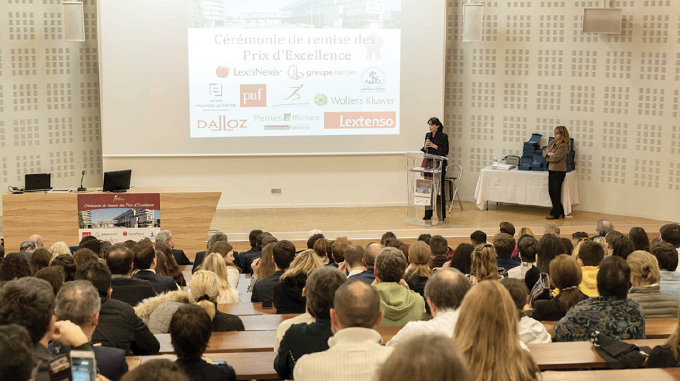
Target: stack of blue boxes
532, 158
571, 155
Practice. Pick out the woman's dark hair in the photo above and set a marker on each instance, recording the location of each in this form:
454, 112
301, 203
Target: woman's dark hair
566, 275
425, 238
14, 265
462, 258
435, 122
639, 238
622, 246
67, 262
171, 265
549, 246
527, 246
613, 277
54, 275
387, 236
567, 245
40, 259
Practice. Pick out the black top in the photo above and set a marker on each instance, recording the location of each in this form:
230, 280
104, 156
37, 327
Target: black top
263, 290
366, 276
160, 283
417, 284
226, 322
288, 297
299, 340
119, 327
199, 370
180, 257
131, 290
249, 258
198, 260
662, 357
531, 277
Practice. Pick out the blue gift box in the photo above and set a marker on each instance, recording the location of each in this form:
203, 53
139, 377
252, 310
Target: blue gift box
524, 167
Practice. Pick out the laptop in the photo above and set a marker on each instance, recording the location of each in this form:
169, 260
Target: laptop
37, 182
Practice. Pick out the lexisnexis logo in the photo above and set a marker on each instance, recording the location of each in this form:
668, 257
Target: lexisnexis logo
224, 72
335, 120
222, 124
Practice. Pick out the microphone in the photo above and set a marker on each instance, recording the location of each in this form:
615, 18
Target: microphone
428, 136
81, 189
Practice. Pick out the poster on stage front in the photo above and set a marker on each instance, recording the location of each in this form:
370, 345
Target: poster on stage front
119, 217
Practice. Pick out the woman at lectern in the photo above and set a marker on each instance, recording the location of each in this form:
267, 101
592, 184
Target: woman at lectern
437, 143
556, 160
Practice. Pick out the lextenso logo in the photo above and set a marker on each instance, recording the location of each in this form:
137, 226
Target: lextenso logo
222, 124
335, 120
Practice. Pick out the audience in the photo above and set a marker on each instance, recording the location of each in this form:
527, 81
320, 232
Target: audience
611, 313
301, 339
370, 253
667, 355
94, 244
255, 252
504, 245
525, 231
255, 246
26, 249
118, 326
319, 244
622, 246
603, 227
66, 262
40, 259
190, 330
165, 370
444, 292
418, 272
354, 254
568, 245
263, 290
609, 240
399, 304
425, 237
58, 248
590, 254
549, 246
578, 236
667, 257
165, 237
145, 262
530, 330
204, 288
440, 248
671, 233
38, 241
83, 256
172, 268
645, 277
79, 303
338, 251
431, 357
552, 229
487, 334
527, 247
483, 265
565, 275
226, 251
54, 275
264, 266
120, 261
355, 344
14, 266
215, 264
462, 258
507, 228
288, 297
478, 237
15, 352
217, 237
639, 238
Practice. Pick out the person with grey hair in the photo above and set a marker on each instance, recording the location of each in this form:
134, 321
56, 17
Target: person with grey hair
217, 237
604, 226
78, 302
551, 228
38, 241
368, 261
444, 292
399, 303
27, 248
165, 237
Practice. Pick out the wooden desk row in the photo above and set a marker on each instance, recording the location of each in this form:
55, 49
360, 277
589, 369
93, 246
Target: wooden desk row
655, 328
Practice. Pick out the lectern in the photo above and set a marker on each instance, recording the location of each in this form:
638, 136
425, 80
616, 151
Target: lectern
424, 180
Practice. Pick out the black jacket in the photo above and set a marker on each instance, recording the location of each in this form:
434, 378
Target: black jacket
131, 290
180, 257
366, 276
198, 260
299, 340
549, 309
263, 290
249, 258
662, 357
226, 322
110, 361
288, 297
199, 370
160, 283
119, 327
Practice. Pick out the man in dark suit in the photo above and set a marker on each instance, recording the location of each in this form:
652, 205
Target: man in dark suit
79, 302
370, 253
252, 254
145, 263
219, 236
165, 236
284, 253
120, 260
118, 326
27, 248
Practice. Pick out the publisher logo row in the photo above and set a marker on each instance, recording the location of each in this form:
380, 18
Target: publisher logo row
331, 120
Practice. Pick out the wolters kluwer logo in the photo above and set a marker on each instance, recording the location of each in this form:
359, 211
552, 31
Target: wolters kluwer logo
320, 99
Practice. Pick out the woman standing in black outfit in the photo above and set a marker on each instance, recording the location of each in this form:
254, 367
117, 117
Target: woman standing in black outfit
556, 157
437, 143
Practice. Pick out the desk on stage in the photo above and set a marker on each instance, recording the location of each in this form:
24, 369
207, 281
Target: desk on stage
523, 187
187, 212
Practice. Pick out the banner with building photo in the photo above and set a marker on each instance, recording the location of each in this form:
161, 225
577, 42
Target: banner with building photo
119, 217
423, 192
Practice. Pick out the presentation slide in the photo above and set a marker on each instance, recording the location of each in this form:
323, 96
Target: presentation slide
295, 68
269, 77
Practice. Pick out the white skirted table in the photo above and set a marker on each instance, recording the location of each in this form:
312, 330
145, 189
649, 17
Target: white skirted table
523, 187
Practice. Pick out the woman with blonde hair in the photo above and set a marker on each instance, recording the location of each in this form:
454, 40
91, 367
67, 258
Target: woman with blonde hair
487, 334
59, 248
204, 291
288, 298
645, 277
525, 231
483, 265
418, 272
225, 249
556, 161
215, 263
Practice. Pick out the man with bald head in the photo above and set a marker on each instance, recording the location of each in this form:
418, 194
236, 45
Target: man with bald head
368, 261
38, 241
444, 292
355, 353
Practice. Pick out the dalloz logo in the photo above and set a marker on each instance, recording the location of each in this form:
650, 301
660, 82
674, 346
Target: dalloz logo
222, 124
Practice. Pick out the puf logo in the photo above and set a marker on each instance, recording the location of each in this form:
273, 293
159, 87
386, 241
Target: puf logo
222, 124
253, 96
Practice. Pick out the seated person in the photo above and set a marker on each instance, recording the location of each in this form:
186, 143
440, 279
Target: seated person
288, 298
355, 344
666, 355
590, 254
444, 292
368, 261
462, 258
120, 261
443, 358
29, 302
164, 237
530, 330
15, 352
440, 248
161, 369
565, 275
527, 247
301, 339
263, 290
503, 245
145, 263
79, 303
190, 330
204, 289
624, 319
483, 266
667, 257
399, 304
418, 272
118, 326
254, 248
645, 276
217, 237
